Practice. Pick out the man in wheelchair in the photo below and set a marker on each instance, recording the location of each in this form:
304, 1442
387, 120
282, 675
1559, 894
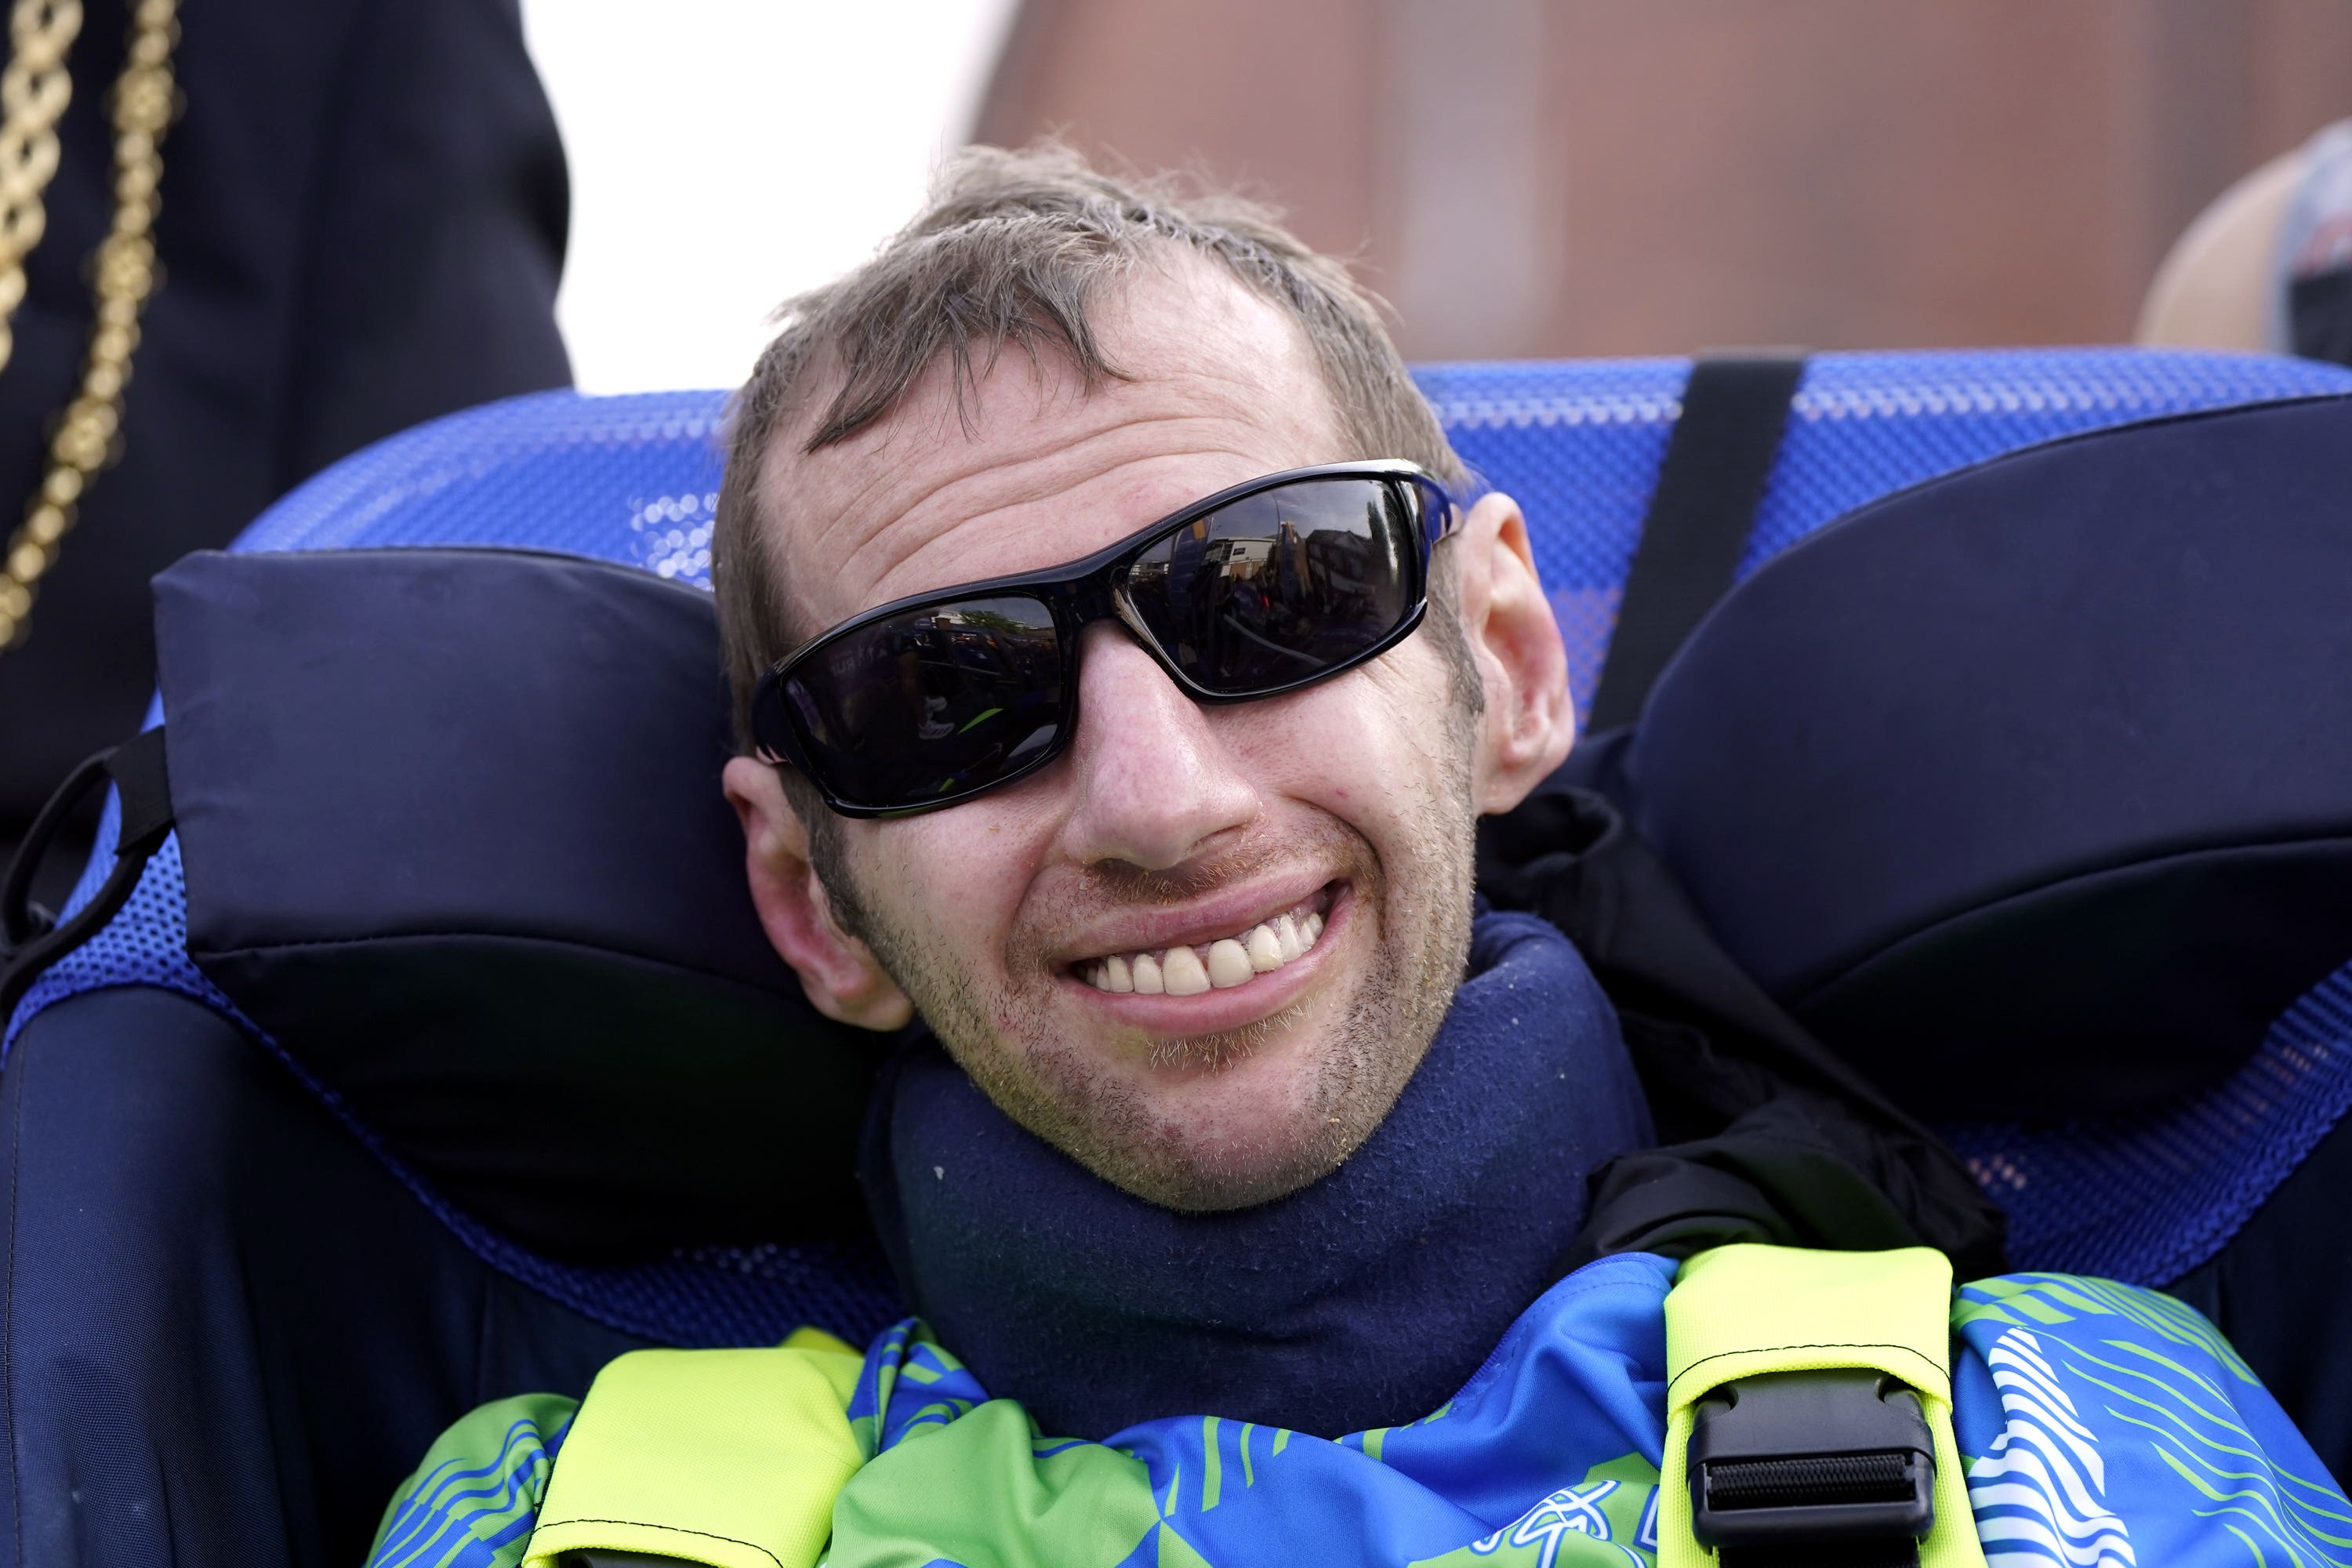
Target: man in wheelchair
1122, 662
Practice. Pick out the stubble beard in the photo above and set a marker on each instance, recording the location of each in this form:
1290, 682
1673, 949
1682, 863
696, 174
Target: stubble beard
1004, 1039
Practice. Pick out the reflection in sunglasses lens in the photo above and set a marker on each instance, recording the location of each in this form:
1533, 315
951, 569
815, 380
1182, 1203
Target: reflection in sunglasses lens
1281, 585
933, 702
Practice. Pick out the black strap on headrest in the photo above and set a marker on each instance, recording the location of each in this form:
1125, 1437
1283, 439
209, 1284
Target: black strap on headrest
2319, 315
30, 938
1717, 460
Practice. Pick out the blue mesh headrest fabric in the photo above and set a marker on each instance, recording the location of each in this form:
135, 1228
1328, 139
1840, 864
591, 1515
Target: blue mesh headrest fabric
452, 836
2031, 788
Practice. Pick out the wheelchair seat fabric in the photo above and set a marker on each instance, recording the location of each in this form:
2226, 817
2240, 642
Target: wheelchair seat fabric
239, 1308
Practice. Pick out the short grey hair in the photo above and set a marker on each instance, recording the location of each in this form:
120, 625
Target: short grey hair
1016, 247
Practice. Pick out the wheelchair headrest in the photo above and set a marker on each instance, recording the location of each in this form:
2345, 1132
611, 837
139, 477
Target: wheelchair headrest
2032, 787
634, 481
452, 835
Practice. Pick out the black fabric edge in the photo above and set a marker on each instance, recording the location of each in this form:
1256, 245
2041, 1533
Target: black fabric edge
1850, 966
202, 957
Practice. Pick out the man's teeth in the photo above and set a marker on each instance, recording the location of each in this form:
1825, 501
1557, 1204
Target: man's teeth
1182, 973
1226, 963
1287, 939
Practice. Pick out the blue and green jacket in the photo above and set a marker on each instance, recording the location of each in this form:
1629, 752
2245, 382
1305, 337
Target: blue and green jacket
2090, 1424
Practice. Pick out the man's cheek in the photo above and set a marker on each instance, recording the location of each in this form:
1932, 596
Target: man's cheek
1351, 758
955, 883
917, 869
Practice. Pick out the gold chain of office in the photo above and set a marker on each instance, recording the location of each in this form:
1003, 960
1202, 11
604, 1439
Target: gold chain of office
34, 91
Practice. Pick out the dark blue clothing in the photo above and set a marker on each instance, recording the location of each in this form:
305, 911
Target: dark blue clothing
1364, 1299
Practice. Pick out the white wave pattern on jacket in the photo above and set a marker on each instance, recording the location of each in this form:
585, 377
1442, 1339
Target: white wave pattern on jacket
2040, 1496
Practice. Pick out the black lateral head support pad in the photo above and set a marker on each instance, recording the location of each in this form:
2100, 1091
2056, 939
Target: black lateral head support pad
453, 835
2029, 789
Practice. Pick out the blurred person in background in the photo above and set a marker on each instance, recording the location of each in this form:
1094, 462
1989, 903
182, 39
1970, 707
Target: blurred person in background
358, 223
2268, 267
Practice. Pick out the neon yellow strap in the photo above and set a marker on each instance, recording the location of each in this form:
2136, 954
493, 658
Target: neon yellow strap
1739, 1311
730, 1459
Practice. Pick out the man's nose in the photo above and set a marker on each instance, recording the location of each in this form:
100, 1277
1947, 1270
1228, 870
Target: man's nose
1156, 785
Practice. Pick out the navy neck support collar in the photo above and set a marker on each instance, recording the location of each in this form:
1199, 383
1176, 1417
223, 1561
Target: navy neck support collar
1362, 1300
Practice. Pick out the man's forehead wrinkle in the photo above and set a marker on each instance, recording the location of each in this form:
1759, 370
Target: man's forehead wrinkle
927, 419
861, 462
893, 498
955, 521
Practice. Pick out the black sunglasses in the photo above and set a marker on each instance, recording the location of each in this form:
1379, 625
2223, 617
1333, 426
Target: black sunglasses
1257, 590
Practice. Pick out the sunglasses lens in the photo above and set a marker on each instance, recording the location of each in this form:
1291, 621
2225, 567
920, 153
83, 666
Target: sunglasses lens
1283, 586
929, 704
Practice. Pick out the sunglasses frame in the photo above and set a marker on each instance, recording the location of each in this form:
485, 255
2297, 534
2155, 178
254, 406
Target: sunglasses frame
1081, 593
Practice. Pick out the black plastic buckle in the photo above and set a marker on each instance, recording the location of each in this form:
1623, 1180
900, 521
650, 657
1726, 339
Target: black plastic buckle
1831, 1466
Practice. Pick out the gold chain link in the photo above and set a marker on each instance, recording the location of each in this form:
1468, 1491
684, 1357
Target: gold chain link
33, 93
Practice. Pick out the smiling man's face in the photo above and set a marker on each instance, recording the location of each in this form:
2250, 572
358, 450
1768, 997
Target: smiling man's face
1327, 833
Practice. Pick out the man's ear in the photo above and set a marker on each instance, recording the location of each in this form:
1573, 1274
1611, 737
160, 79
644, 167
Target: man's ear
836, 970
1530, 719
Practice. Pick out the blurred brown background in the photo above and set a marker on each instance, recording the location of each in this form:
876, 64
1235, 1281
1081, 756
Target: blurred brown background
1540, 177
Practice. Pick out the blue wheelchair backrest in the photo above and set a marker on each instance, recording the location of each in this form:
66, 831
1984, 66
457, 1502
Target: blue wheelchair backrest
634, 481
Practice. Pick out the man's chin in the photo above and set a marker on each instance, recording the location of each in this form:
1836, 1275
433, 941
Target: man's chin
1214, 1179
1231, 1120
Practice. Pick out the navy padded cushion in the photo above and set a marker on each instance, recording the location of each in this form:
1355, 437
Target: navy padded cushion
2031, 788
411, 792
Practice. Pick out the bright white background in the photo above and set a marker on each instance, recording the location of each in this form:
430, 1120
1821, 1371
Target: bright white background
728, 153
